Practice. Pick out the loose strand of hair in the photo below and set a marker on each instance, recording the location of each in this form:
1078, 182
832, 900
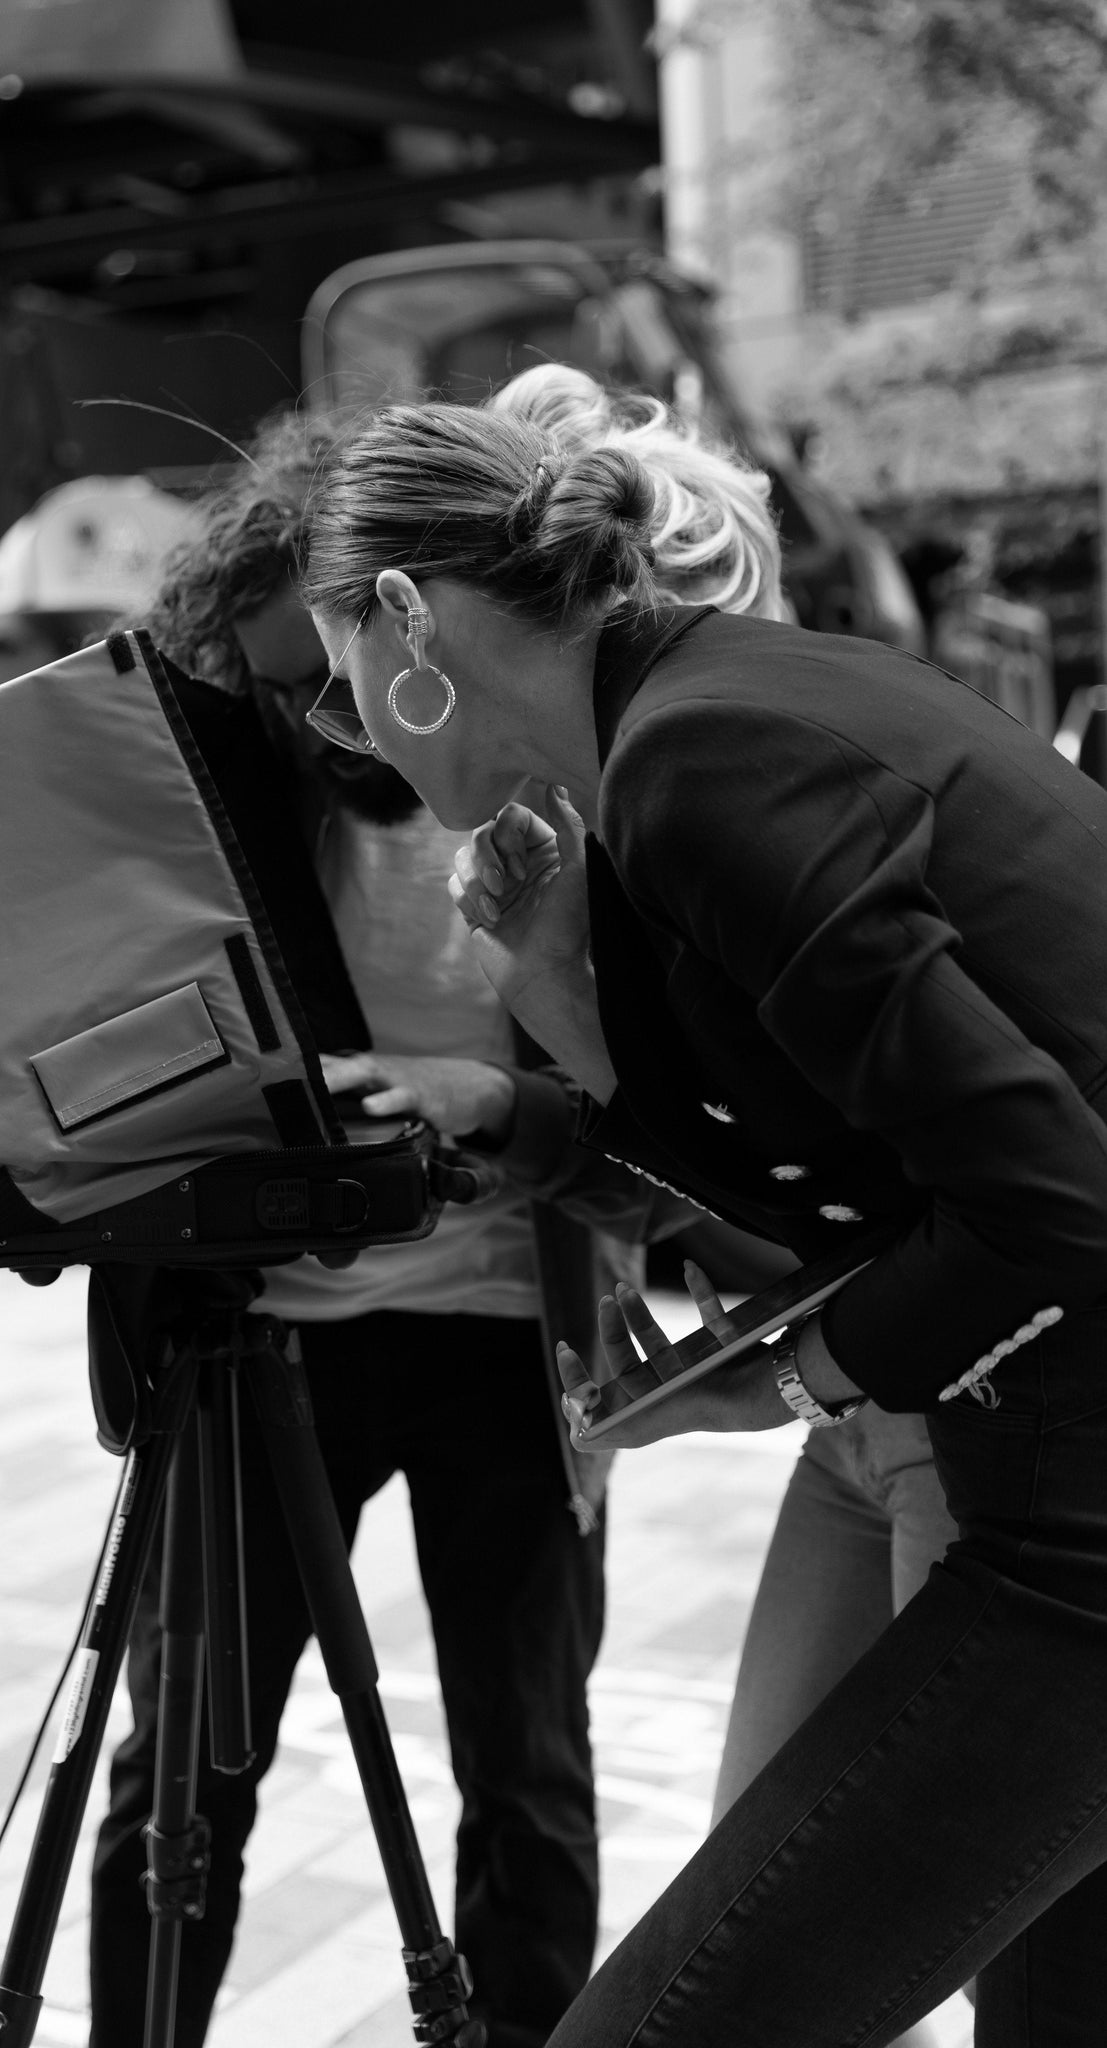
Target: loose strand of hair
182, 419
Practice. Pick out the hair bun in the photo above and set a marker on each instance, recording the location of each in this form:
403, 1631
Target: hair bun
593, 533
615, 484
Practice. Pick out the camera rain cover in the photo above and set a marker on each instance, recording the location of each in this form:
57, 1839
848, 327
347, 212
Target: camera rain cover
169, 971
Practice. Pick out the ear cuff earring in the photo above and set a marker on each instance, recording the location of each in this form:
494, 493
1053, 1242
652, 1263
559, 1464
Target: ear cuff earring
418, 619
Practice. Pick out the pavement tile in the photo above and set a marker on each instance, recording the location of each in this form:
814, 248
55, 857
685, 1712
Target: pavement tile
317, 1961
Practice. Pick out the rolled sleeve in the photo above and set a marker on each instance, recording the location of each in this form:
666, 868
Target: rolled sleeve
544, 1161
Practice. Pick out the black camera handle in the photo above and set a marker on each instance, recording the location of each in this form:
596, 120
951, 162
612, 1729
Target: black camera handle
187, 1460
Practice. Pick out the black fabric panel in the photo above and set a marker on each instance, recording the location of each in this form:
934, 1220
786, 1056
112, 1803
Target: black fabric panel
253, 804
121, 653
18, 1216
252, 993
294, 1118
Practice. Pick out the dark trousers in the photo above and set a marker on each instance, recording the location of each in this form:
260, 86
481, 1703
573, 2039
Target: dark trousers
516, 1604
943, 1813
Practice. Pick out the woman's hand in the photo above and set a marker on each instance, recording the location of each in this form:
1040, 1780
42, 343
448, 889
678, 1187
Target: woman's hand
741, 1394
504, 855
459, 1097
520, 886
532, 940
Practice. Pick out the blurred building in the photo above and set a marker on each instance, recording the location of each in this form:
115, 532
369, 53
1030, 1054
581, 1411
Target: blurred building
956, 393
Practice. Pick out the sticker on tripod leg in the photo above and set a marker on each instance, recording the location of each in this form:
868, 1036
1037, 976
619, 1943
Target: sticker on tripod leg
118, 1530
76, 1706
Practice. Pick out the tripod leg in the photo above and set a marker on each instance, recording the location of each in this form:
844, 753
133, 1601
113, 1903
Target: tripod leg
439, 1982
99, 1657
176, 1837
203, 1522
224, 1571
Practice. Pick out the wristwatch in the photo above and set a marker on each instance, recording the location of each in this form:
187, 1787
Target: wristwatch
792, 1390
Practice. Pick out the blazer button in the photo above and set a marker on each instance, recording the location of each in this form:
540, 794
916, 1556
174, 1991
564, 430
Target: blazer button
840, 1212
790, 1172
720, 1112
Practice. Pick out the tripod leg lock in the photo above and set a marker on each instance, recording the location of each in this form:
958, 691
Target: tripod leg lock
177, 1868
439, 1984
19, 2016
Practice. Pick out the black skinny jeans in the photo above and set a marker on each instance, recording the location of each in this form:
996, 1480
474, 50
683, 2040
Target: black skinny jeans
943, 1813
516, 1604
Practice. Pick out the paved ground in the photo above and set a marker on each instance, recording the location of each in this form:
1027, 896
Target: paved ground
317, 1963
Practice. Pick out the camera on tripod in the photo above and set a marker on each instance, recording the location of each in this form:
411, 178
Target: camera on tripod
170, 972
171, 975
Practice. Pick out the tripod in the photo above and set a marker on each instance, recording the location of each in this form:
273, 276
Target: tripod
186, 1459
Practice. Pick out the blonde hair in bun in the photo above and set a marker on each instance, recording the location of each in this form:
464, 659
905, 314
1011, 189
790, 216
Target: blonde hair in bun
712, 531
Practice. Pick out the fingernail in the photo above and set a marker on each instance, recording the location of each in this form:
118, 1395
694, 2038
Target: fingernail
488, 909
518, 867
493, 879
561, 1345
559, 789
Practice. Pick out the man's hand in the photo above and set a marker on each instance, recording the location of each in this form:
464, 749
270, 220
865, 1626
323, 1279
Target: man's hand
461, 1098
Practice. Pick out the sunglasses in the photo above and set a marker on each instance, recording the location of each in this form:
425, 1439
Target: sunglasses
334, 713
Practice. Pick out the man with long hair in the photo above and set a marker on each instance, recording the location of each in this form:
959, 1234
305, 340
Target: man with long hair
513, 1580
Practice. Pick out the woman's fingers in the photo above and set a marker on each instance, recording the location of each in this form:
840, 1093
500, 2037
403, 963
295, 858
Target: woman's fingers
477, 884
580, 1396
486, 857
505, 848
466, 890
501, 862
565, 821
510, 853
633, 1313
713, 1315
574, 1374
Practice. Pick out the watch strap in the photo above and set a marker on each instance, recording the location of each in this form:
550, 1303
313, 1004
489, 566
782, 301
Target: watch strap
793, 1392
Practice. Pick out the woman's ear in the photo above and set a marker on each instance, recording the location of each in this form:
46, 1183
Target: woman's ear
399, 596
397, 592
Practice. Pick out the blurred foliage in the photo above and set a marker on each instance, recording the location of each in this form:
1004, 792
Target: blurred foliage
886, 90
995, 384
1045, 55
1013, 434
880, 90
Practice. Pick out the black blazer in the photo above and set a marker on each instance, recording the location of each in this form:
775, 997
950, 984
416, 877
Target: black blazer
849, 927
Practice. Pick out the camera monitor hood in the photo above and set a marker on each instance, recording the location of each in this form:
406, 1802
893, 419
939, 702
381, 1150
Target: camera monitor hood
170, 976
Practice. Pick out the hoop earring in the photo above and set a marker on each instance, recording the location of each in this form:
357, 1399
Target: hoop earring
418, 620
425, 668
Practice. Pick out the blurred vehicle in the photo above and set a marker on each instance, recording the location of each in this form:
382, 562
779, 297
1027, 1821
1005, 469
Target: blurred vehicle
458, 320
